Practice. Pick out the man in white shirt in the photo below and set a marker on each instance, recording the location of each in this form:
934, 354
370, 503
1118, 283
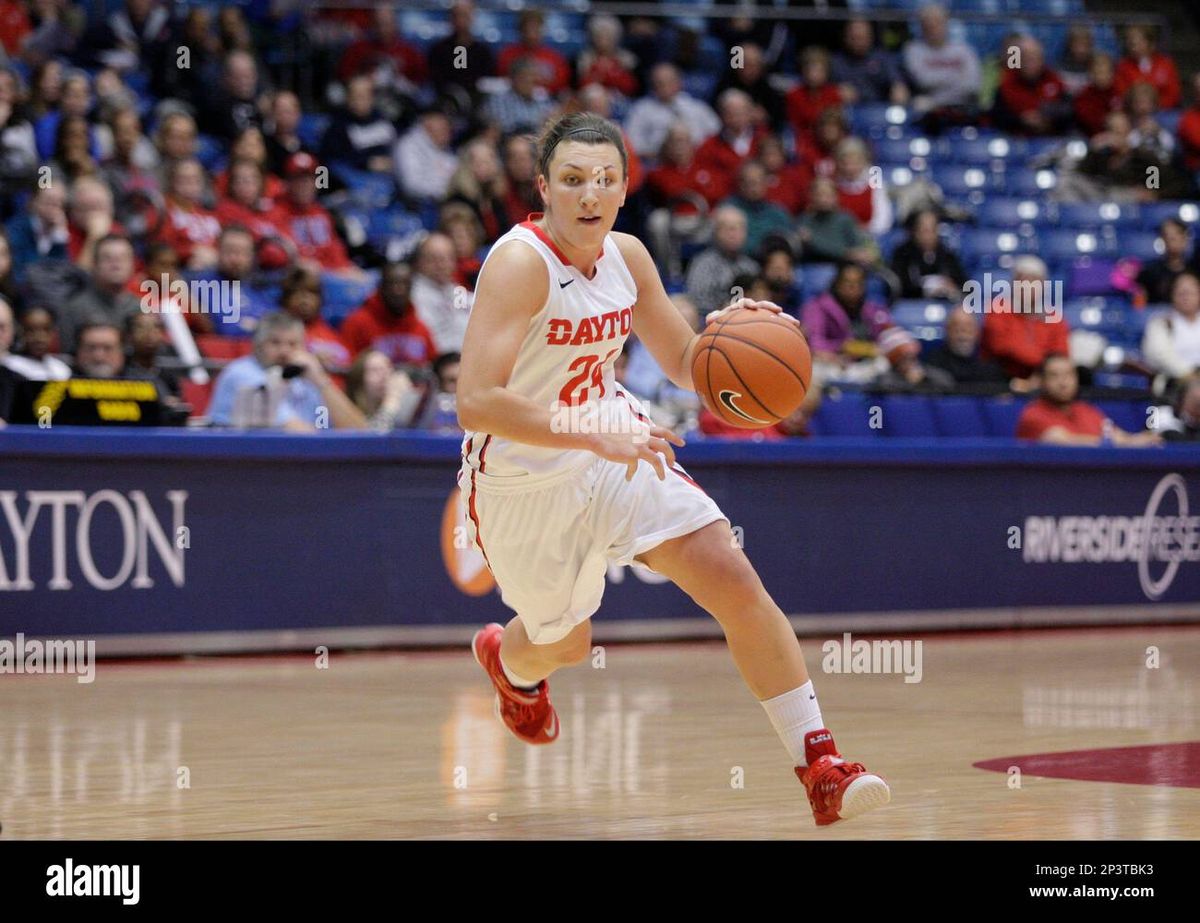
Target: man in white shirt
943, 72
425, 160
651, 117
1171, 343
442, 305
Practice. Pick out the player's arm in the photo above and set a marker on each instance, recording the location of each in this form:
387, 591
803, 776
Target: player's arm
512, 288
658, 323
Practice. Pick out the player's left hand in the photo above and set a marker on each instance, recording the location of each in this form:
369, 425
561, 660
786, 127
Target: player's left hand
752, 305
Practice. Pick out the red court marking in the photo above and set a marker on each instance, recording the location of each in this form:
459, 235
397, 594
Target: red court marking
1156, 764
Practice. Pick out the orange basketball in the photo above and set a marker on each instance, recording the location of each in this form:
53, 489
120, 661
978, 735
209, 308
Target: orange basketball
752, 368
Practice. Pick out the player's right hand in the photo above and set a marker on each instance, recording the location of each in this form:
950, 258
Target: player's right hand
652, 445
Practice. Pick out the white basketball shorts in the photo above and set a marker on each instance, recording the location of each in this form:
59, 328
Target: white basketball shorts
549, 541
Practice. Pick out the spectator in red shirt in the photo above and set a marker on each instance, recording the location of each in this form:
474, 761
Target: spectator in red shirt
250, 144
14, 26
787, 183
307, 223
383, 49
1189, 128
1020, 332
301, 298
682, 193
247, 204
859, 193
388, 322
554, 74
605, 62
1098, 99
187, 225
1031, 99
814, 95
832, 128
736, 142
1143, 64
1058, 417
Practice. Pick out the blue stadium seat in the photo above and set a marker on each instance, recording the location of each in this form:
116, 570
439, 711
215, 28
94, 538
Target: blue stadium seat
893, 151
957, 180
986, 247
340, 295
908, 415
845, 413
389, 224
312, 128
981, 151
1004, 213
916, 312
700, 84
867, 117
1094, 314
1141, 245
367, 189
890, 240
1030, 183
959, 416
1129, 415
210, 152
1002, 414
1063, 245
815, 278
1168, 119
1038, 147
1155, 213
1093, 215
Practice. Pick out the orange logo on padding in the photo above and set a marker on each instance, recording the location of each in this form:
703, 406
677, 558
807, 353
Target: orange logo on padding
463, 560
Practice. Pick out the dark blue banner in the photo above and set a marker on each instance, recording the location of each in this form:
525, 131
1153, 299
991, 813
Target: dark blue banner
175, 531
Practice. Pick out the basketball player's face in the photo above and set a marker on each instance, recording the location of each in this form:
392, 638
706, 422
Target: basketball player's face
585, 190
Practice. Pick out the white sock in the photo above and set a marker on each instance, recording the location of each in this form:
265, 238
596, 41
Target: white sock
519, 681
794, 714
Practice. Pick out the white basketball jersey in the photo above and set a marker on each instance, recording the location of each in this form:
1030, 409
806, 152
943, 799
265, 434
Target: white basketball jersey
565, 363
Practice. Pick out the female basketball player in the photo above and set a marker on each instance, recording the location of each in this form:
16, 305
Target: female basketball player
551, 502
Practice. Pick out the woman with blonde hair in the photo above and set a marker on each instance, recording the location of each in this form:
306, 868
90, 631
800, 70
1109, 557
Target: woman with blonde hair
479, 182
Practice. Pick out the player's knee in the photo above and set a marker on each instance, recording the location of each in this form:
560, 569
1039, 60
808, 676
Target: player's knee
737, 590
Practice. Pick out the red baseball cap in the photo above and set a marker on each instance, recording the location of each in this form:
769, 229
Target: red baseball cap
300, 163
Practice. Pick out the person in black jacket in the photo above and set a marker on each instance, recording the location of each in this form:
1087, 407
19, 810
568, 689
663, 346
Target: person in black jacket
926, 267
358, 135
958, 354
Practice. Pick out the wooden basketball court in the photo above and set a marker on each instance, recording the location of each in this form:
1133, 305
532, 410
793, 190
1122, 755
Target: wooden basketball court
662, 742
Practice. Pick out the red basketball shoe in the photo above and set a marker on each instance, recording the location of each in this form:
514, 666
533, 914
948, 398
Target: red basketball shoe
527, 713
838, 790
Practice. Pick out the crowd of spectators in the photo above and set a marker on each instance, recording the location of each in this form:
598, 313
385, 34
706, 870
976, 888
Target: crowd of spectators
148, 150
